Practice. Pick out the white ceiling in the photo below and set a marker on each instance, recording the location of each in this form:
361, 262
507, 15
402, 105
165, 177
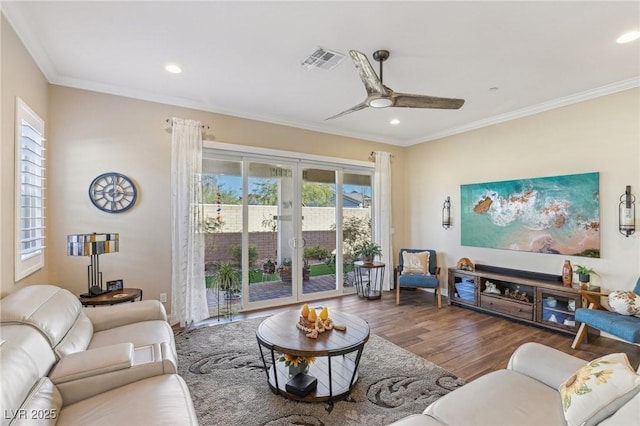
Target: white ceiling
243, 58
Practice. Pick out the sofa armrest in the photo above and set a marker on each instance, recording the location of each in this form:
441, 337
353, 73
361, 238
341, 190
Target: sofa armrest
146, 361
105, 318
92, 362
544, 364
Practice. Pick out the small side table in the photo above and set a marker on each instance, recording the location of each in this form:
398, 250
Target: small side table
112, 297
369, 277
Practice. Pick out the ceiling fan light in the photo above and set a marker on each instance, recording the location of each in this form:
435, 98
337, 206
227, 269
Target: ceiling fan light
380, 103
628, 37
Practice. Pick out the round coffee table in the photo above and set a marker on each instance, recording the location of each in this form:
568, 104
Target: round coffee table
337, 353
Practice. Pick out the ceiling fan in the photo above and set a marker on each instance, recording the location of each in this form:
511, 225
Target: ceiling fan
380, 96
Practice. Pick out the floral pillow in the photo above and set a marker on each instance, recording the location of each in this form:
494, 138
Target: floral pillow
415, 263
625, 302
598, 390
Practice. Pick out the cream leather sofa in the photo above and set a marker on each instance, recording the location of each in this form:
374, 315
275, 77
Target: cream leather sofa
526, 393
74, 365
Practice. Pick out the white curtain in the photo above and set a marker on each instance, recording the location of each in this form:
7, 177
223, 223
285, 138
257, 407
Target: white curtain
188, 292
382, 213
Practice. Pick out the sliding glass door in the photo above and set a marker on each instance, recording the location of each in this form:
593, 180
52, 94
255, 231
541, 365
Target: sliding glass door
272, 233
285, 226
319, 232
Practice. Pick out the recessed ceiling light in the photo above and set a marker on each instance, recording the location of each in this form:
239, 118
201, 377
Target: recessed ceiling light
628, 37
395, 121
173, 68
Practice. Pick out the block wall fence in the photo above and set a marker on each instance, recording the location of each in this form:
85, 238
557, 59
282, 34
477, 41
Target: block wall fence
316, 230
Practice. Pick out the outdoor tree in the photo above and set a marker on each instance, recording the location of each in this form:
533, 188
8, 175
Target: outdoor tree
317, 195
355, 231
213, 193
265, 192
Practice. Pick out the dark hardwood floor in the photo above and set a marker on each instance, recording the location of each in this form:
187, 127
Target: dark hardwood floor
465, 342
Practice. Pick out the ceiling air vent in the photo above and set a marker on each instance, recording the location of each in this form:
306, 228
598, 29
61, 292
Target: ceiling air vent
322, 58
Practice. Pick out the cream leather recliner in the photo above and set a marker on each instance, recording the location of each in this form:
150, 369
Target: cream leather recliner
28, 396
93, 349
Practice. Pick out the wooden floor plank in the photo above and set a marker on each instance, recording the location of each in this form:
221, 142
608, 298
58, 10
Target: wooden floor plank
465, 342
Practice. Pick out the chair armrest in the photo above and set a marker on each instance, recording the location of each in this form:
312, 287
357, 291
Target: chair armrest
437, 270
593, 293
105, 318
396, 272
593, 297
544, 364
92, 362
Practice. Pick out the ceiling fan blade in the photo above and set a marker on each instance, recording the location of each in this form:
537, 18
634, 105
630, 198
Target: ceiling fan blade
368, 76
419, 101
349, 111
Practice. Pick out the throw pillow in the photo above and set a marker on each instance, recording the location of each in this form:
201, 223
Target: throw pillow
415, 263
625, 302
598, 390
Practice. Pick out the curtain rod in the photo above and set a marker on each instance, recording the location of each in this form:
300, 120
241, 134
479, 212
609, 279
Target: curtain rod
372, 156
168, 120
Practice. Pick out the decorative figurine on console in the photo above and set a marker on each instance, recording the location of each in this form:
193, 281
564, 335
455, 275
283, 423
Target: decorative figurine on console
465, 264
516, 294
491, 288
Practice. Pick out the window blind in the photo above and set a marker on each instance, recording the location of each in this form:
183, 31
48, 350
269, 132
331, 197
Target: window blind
30, 191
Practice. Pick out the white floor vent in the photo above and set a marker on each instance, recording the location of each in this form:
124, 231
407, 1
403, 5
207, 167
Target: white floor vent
323, 58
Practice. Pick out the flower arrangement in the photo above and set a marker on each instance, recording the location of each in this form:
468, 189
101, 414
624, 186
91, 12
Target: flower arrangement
295, 360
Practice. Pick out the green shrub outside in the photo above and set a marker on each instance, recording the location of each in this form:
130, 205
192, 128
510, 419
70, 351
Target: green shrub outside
236, 253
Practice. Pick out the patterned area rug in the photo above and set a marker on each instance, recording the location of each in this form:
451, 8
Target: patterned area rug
228, 383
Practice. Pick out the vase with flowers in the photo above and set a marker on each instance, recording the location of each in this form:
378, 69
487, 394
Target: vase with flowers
297, 364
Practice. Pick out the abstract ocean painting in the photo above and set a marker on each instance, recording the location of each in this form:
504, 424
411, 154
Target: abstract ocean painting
557, 215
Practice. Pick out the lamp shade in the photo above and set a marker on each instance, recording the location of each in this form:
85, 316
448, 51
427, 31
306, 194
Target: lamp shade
90, 244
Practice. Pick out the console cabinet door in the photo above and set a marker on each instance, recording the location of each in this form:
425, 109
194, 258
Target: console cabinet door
557, 308
463, 288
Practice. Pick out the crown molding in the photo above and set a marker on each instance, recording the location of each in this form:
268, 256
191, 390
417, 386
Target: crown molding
534, 109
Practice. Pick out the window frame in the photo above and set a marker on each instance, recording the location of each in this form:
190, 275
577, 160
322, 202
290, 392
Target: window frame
28, 263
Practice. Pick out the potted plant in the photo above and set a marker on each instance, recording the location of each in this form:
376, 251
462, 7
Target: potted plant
584, 273
285, 270
297, 364
367, 251
269, 266
227, 278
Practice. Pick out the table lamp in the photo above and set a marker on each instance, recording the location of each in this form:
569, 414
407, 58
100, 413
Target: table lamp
92, 245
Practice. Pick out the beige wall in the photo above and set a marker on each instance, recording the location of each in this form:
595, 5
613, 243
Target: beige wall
96, 133
601, 135
20, 78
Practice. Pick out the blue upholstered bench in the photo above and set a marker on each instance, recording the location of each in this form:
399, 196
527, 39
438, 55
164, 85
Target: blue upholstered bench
626, 327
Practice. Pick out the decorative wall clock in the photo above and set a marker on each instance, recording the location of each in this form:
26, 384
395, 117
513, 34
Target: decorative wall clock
113, 192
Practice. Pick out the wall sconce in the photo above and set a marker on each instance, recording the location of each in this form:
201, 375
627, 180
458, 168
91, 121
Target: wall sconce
627, 218
446, 213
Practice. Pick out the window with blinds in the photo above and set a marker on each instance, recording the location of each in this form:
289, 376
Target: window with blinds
30, 191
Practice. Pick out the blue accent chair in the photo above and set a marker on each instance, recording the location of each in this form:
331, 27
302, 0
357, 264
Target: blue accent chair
418, 280
626, 327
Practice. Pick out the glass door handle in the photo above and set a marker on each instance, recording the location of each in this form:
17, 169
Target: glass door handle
295, 242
